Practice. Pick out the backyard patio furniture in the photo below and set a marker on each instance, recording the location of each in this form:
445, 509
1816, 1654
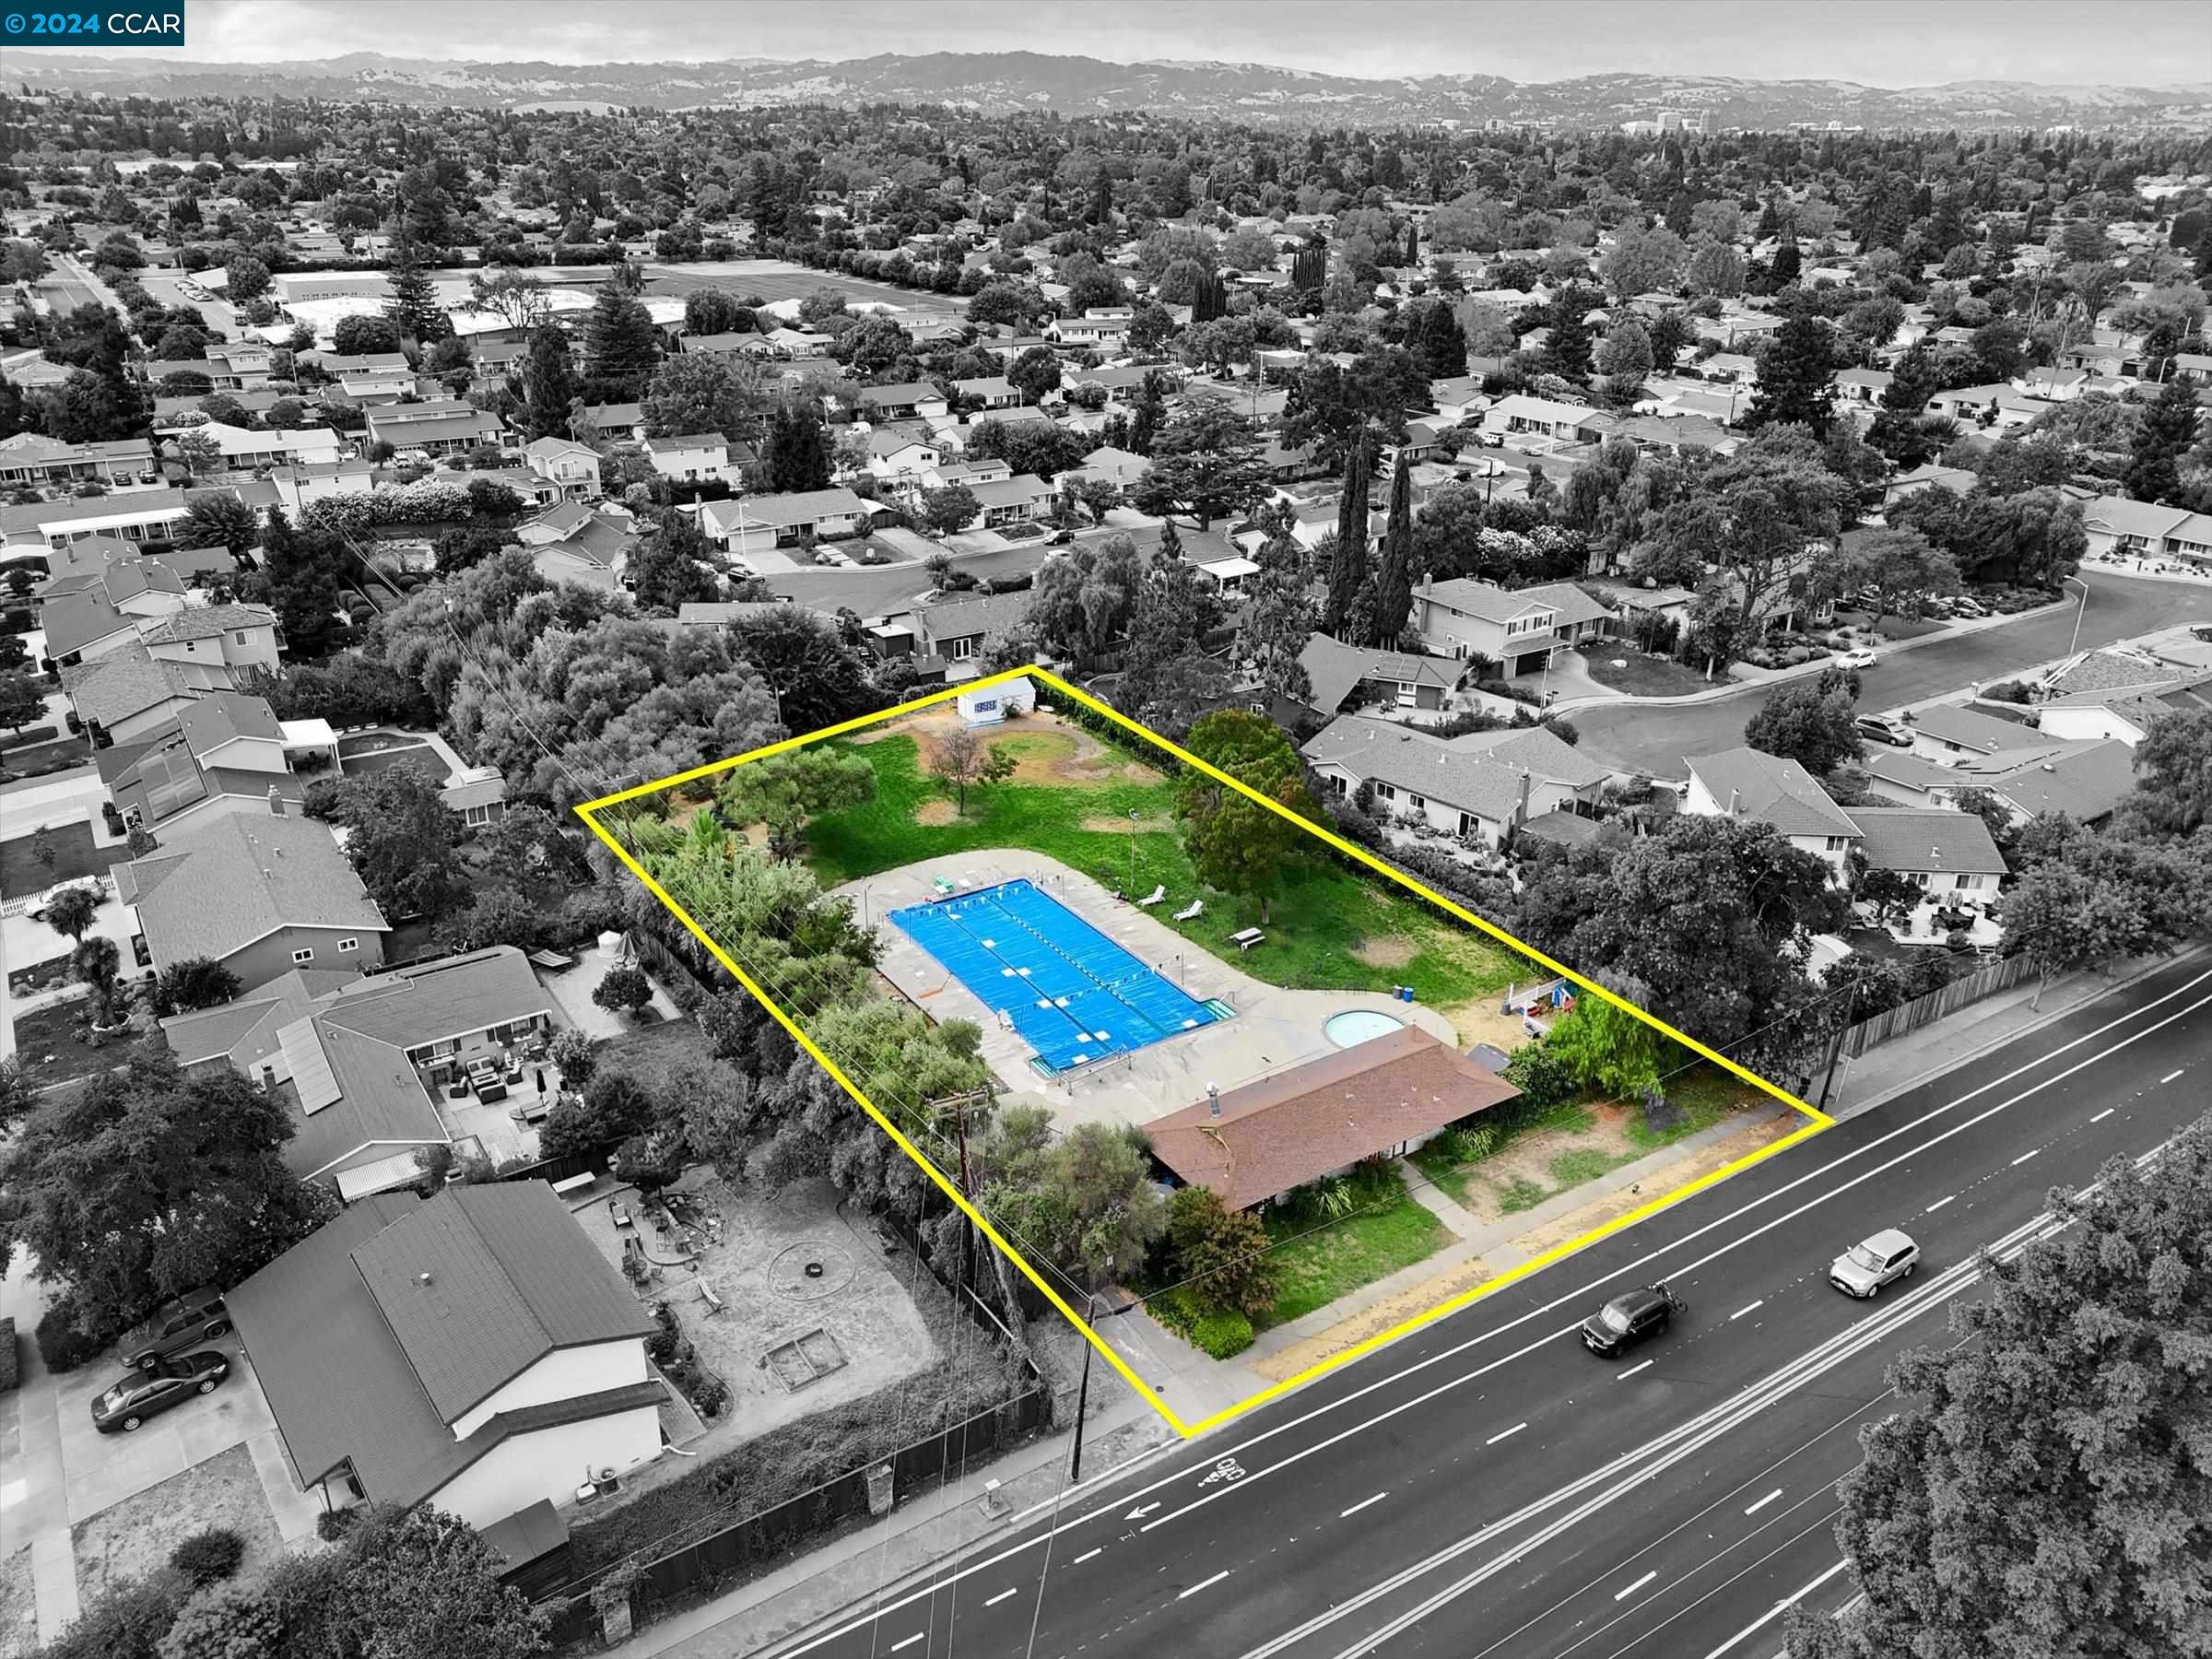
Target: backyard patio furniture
1248, 938
620, 1212
553, 961
1153, 898
1191, 911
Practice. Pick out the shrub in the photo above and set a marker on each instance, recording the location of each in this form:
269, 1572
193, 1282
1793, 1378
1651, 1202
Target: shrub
126, 1621
9, 1371
710, 1396
208, 1555
225, 1621
2009, 691
571, 1050
333, 1524
62, 1346
1222, 1336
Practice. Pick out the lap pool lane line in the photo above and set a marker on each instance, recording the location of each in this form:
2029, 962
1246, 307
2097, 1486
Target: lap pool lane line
1001, 1569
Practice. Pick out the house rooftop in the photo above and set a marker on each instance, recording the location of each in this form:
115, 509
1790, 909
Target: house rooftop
1911, 839
1751, 783
1302, 1123
214, 891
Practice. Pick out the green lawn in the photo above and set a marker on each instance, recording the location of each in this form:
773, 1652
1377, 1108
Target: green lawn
1317, 1268
1320, 916
1703, 1097
75, 854
1643, 675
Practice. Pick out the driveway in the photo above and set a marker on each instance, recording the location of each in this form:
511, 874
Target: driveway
1655, 739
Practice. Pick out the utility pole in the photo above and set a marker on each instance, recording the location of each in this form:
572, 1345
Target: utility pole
2080, 611
1835, 1051
1090, 1304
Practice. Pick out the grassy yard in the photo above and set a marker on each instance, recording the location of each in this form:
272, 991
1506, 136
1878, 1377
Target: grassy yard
1328, 929
1642, 676
49, 1050
1316, 1263
1575, 1143
74, 854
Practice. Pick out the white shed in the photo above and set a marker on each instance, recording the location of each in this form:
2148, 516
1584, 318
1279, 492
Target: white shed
991, 704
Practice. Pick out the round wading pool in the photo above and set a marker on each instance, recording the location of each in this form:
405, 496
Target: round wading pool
1361, 1025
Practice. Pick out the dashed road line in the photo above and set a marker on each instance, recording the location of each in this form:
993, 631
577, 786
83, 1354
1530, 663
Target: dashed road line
1754, 1307
1507, 1435
1639, 1583
909, 1642
1002, 1597
1937, 1204
2024, 1156
1764, 1501
2110, 1110
1087, 1555
1208, 1584
1361, 1504
2170, 1076
1622, 1376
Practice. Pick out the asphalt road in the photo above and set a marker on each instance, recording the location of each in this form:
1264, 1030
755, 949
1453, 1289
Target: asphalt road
1485, 1487
1653, 738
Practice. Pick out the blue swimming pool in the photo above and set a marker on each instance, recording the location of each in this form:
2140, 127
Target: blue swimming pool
1072, 994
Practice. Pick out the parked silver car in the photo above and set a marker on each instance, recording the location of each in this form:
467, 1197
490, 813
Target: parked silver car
1864, 1268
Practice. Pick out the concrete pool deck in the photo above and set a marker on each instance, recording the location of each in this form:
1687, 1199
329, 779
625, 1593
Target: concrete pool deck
1272, 1027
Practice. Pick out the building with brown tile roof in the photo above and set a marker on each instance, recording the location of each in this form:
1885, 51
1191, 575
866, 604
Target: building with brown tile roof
1387, 1096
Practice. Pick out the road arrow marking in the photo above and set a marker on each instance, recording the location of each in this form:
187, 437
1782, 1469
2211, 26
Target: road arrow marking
1140, 1512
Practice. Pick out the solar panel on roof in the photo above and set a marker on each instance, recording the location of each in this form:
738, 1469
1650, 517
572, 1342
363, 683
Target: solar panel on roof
309, 1064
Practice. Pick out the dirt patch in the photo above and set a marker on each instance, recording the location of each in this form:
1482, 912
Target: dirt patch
1384, 1315
1479, 1021
1385, 952
128, 1540
1155, 823
934, 813
1527, 1160
1046, 749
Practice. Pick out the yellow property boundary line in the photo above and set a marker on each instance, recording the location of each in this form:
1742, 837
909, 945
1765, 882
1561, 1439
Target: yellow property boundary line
1819, 1120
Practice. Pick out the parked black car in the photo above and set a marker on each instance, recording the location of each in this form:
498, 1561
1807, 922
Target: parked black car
1628, 1320
144, 1393
195, 1317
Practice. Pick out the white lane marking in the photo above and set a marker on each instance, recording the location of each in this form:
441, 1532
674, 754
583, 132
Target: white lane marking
1140, 1512
2024, 1156
1507, 1435
909, 1642
1620, 1376
2170, 1076
1937, 1204
1775, 1612
1639, 1583
1741, 1312
1578, 1294
1764, 1501
1087, 1555
1361, 1504
1208, 1585
2110, 1110
1001, 1597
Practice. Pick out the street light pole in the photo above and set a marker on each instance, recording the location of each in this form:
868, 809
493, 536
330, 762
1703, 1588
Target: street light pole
2080, 611
1132, 851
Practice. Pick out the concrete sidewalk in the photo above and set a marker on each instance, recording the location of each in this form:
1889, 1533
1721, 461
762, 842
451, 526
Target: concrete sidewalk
924, 1537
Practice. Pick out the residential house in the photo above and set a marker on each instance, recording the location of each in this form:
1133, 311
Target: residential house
300, 487
1768, 789
1380, 1099
2086, 781
755, 523
137, 515
1482, 791
2126, 714
126, 695
243, 448
1458, 399
1927, 475
476, 1352
1948, 734
83, 626
445, 426
957, 628
1015, 501
902, 455
1949, 854
33, 461
902, 402
1863, 386
1337, 673
571, 542
945, 474
611, 420
1996, 405
1102, 328
572, 468
258, 894
2121, 528
1525, 415
1515, 628
222, 753
1107, 465
83, 567
240, 636
699, 458
988, 392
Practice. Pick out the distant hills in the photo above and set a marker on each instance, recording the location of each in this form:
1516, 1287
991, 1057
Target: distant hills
999, 82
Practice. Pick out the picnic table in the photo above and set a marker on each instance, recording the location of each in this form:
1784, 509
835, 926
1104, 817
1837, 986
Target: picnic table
1248, 938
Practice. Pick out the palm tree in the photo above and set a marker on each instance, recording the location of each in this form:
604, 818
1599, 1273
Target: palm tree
71, 914
99, 963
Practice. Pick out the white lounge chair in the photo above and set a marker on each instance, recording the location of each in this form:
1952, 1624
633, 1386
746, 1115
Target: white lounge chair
1154, 897
1191, 911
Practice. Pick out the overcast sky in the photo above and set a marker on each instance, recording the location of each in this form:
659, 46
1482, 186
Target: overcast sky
1879, 42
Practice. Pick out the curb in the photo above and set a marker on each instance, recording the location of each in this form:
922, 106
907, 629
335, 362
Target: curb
1844, 1114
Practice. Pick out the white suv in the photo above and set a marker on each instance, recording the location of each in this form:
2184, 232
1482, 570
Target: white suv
1864, 1268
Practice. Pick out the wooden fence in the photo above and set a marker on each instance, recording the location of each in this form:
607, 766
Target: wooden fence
1921, 1010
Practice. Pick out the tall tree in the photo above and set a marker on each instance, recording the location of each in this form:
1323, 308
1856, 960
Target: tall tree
1797, 375
2041, 1486
1348, 568
1280, 619
401, 838
550, 383
413, 307
1812, 722
619, 347
145, 1182
798, 450
2164, 435
1235, 843
2172, 797
1205, 462
1393, 575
